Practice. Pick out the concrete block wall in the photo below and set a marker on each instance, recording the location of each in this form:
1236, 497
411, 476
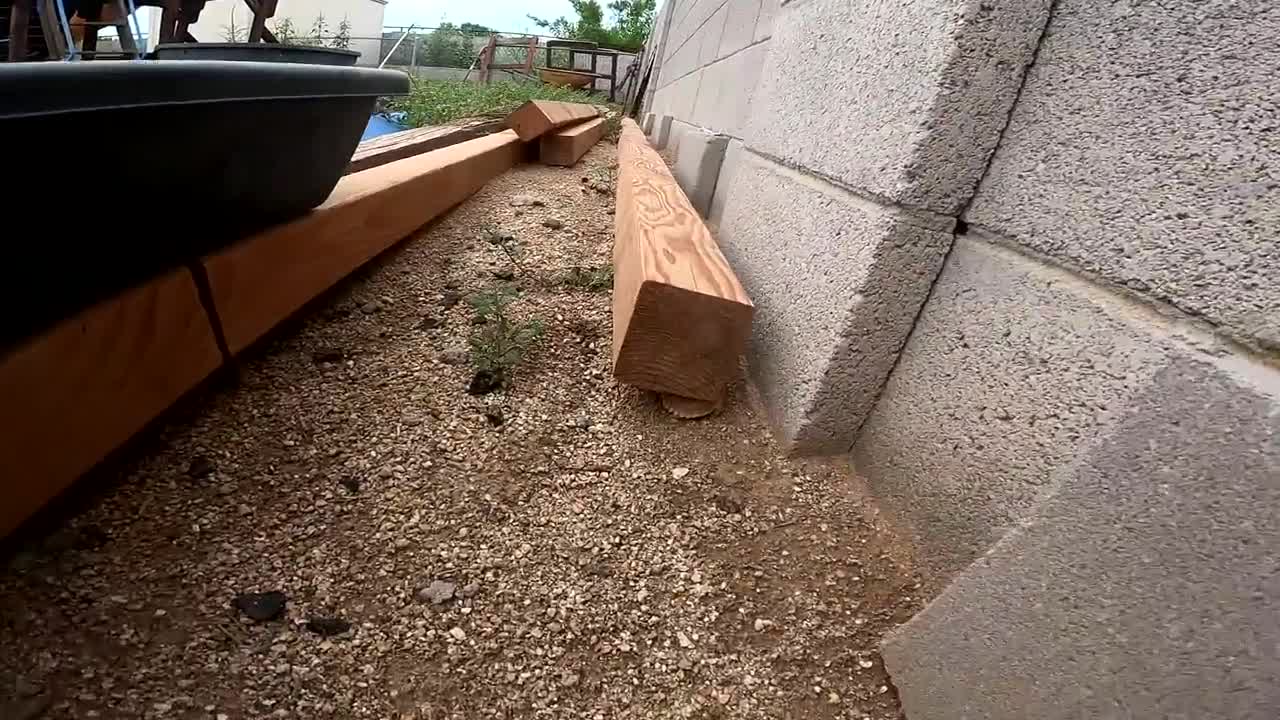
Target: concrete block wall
1020, 257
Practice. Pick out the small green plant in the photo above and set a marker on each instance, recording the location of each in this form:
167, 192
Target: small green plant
506, 242
342, 38
319, 29
613, 127
603, 180
593, 279
285, 32
499, 342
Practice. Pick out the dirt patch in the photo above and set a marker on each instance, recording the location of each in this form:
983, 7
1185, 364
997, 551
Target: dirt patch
559, 548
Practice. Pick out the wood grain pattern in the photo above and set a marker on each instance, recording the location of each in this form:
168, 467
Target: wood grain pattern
681, 319
568, 144
80, 390
535, 118
397, 146
263, 279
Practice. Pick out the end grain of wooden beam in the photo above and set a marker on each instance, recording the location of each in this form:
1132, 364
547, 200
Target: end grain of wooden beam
263, 279
681, 319
82, 389
535, 118
567, 145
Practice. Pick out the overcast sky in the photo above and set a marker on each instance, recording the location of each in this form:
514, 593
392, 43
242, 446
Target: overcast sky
504, 15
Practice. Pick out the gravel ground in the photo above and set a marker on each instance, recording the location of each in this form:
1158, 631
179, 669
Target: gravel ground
561, 548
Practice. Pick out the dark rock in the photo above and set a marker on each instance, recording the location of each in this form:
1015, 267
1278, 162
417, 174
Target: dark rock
328, 626
328, 355
504, 275
261, 607
485, 382
371, 307
583, 422
428, 323
494, 416
469, 590
438, 592
90, 537
449, 298
728, 502
199, 467
351, 484
552, 223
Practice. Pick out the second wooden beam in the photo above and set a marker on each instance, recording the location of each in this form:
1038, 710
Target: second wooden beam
567, 145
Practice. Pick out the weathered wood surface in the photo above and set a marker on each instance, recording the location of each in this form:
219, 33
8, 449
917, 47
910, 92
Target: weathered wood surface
567, 145
397, 146
681, 319
263, 279
79, 391
535, 118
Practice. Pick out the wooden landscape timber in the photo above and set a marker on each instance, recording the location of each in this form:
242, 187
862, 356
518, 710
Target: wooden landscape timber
84, 387
536, 118
681, 319
267, 277
567, 145
397, 146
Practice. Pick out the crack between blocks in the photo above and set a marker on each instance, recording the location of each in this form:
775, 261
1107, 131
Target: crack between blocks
962, 226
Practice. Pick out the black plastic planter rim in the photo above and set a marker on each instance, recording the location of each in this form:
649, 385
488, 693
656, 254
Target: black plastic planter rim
53, 87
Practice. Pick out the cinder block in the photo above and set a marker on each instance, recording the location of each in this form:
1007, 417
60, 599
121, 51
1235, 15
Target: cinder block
764, 20
1098, 166
727, 90
647, 125
739, 25
1011, 367
709, 35
837, 282
661, 132
903, 100
1146, 585
697, 167
732, 158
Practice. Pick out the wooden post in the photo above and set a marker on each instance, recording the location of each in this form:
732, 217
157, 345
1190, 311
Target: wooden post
169, 20
681, 319
19, 26
264, 10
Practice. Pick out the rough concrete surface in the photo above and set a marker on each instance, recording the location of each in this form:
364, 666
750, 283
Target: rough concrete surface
902, 100
647, 126
1146, 587
1011, 368
1145, 149
837, 282
697, 167
724, 101
708, 37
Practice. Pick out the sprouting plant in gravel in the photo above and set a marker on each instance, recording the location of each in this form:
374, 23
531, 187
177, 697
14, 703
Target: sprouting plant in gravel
594, 279
603, 180
506, 242
613, 127
499, 342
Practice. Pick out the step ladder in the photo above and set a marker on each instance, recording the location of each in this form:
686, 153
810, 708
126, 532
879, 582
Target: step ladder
128, 30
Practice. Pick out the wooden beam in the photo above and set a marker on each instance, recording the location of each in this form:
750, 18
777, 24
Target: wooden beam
681, 319
397, 146
537, 117
567, 145
83, 388
263, 279
19, 26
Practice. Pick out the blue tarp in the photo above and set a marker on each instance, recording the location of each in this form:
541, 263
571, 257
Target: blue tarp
381, 125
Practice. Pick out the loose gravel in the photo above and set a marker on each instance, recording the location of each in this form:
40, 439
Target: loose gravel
347, 533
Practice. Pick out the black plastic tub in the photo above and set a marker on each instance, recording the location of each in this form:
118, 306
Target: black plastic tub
257, 52
118, 171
